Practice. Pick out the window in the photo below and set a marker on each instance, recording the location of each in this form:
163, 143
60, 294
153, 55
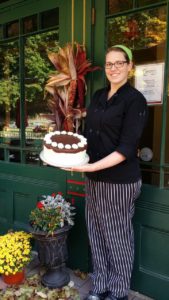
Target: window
146, 2
115, 6
9, 91
37, 68
50, 18
2, 1
12, 29
145, 33
166, 123
30, 24
24, 69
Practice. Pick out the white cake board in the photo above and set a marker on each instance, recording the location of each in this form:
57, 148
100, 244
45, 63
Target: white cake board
52, 163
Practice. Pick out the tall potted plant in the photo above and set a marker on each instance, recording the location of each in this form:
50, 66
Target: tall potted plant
66, 87
50, 223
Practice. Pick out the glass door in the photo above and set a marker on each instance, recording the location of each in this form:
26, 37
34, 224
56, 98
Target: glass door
145, 33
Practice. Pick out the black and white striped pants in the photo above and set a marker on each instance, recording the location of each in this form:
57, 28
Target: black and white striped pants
109, 212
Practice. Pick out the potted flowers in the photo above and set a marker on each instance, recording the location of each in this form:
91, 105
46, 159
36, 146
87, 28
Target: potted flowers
51, 213
50, 222
15, 253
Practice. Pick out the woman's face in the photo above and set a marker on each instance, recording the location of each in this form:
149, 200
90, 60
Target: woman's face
117, 74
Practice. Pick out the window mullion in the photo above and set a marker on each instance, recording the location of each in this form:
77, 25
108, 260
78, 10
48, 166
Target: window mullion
164, 112
22, 95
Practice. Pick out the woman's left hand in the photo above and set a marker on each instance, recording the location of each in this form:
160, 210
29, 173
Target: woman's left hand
83, 168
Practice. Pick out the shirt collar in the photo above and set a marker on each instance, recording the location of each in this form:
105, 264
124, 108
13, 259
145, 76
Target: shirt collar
122, 89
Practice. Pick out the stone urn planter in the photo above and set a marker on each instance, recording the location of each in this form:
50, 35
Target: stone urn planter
52, 253
50, 223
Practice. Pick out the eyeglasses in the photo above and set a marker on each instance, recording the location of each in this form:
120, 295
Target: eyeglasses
117, 64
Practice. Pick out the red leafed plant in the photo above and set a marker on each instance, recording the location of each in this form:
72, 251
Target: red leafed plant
66, 87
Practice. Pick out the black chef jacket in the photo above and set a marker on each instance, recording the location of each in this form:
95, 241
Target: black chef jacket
116, 125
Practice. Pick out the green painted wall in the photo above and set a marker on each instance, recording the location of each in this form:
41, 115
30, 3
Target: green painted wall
20, 188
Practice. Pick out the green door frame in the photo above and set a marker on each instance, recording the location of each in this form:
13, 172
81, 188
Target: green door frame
151, 225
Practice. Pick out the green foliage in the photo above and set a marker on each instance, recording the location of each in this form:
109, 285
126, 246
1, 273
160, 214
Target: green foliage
138, 31
9, 91
51, 213
37, 68
37, 65
45, 219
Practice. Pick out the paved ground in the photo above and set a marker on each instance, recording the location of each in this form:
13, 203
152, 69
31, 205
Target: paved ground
83, 285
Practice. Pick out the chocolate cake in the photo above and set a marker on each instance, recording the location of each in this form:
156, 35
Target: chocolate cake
64, 148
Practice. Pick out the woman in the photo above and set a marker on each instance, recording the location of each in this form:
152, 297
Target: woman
114, 124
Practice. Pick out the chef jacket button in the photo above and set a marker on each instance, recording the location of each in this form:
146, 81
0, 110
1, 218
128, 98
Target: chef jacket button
97, 132
90, 130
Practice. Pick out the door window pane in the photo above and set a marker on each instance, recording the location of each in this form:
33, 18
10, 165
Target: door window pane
14, 156
50, 18
151, 175
2, 157
166, 177
167, 132
30, 24
115, 6
147, 2
9, 93
1, 32
151, 137
32, 157
12, 29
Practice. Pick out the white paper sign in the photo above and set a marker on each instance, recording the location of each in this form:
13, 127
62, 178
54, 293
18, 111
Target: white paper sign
149, 79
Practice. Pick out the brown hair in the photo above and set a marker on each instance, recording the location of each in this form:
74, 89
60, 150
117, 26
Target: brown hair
117, 49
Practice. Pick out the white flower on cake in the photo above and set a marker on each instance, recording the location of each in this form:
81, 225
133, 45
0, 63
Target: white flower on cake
50, 134
70, 133
63, 132
60, 146
67, 146
74, 146
48, 141
54, 144
84, 141
80, 144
